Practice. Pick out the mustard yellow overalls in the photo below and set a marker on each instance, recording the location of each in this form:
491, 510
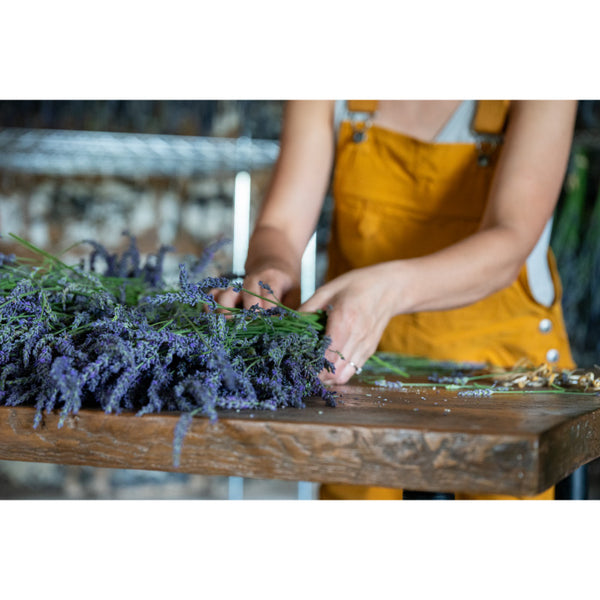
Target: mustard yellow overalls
399, 197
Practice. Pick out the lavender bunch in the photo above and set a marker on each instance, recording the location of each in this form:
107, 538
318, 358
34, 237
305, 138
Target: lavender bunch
114, 337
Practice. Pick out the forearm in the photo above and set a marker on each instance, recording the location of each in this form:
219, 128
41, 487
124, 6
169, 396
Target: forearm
271, 248
459, 275
291, 208
524, 192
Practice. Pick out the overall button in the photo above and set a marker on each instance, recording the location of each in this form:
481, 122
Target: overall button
545, 325
552, 355
358, 136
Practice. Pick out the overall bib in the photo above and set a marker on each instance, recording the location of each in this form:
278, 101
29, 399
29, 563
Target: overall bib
397, 197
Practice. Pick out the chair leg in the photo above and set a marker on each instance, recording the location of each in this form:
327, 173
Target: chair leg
573, 487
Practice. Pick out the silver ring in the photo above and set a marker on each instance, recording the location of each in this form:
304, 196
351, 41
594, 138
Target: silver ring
356, 367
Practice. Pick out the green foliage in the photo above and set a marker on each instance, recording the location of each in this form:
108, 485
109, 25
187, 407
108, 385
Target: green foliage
576, 244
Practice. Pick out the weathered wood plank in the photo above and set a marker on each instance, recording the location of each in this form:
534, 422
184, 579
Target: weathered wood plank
421, 439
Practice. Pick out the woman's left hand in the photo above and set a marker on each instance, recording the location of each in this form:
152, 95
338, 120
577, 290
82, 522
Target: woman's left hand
359, 305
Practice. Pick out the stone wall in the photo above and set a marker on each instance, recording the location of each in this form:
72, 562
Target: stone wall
56, 212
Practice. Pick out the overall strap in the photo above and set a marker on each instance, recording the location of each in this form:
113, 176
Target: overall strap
488, 127
490, 117
360, 113
364, 106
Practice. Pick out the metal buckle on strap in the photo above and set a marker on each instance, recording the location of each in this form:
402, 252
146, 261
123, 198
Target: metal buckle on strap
486, 141
360, 124
486, 146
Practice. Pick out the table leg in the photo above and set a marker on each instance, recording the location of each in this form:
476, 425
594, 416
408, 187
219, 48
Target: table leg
411, 495
573, 487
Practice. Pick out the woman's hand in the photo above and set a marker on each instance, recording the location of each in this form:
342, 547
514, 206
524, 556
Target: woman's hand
283, 286
359, 305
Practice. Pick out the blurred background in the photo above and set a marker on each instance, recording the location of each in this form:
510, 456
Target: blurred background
169, 173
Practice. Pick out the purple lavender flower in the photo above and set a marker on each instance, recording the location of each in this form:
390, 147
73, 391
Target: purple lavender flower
266, 287
110, 260
214, 282
182, 427
152, 271
207, 256
129, 263
7, 259
68, 341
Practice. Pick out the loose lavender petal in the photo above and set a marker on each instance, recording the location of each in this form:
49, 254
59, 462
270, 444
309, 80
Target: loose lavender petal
182, 427
481, 393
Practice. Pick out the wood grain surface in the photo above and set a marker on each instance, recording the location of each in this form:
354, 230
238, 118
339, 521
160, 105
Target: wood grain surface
422, 439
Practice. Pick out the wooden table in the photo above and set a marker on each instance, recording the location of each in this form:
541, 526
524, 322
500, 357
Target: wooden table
421, 439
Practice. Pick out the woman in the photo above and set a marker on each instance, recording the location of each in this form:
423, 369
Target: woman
439, 244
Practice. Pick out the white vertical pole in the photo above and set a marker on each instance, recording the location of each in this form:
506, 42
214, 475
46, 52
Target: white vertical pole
308, 269
241, 221
241, 239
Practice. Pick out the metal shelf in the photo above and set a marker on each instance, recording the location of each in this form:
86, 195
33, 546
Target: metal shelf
62, 152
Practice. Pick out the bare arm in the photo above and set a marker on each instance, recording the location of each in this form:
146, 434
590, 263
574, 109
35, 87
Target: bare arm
522, 198
291, 208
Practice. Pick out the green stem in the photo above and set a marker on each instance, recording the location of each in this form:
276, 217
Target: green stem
41, 252
382, 363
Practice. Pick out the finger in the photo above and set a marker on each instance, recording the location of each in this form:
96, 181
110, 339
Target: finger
352, 344
291, 298
344, 370
340, 377
249, 300
345, 344
266, 297
319, 300
227, 298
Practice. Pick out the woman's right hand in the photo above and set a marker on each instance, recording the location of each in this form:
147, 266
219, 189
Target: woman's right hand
284, 288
